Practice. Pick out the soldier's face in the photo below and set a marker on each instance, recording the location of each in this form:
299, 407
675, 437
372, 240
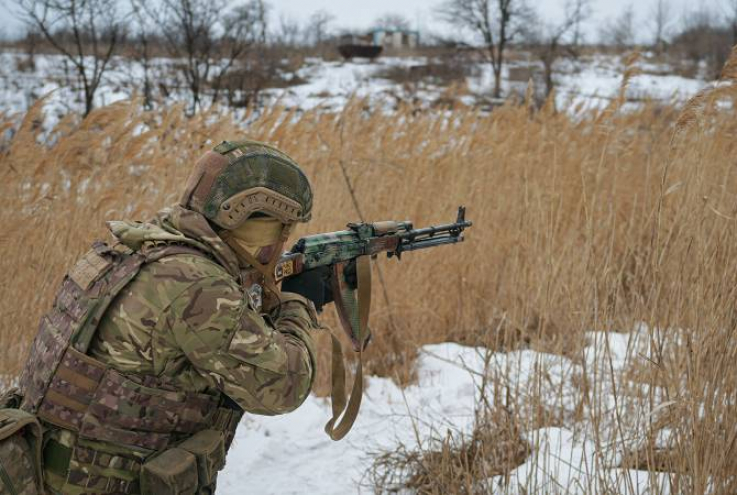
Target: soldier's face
261, 237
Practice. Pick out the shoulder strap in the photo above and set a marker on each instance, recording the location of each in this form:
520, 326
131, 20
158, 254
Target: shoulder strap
354, 315
156, 251
125, 271
14, 420
121, 268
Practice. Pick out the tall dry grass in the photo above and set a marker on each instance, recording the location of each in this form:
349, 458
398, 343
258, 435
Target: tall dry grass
600, 222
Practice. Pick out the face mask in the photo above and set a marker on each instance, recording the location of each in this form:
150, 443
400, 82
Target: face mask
260, 237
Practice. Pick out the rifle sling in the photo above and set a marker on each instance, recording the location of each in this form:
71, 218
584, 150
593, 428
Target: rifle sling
338, 398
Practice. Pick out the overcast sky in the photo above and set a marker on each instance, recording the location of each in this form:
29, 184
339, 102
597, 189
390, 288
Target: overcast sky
359, 14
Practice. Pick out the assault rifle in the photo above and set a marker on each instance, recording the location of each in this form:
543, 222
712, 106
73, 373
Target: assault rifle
367, 239
360, 242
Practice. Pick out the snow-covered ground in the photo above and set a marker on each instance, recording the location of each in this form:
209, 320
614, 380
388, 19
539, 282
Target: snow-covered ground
592, 81
595, 81
292, 455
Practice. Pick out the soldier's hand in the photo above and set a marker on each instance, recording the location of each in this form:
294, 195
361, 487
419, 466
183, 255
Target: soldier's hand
316, 284
313, 285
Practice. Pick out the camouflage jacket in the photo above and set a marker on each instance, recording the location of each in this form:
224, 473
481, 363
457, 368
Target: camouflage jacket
186, 317
188, 321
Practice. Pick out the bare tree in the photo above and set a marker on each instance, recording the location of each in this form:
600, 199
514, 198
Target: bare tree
731, 14
393, 21
85, 32
553, 40
31, 41
207, 40
319, 26
189, 28
702, 37
141, 33
621, 31
255, 12
290, 33
243, 28
660, 20
494, 22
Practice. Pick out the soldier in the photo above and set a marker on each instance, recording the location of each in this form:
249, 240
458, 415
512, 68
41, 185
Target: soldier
158, 343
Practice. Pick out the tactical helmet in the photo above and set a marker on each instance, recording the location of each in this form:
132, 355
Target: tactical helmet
239, 178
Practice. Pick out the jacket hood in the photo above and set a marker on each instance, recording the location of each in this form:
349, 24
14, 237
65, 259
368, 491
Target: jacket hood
180, 225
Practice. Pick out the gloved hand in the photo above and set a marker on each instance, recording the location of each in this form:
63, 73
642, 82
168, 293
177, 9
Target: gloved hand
316, 284
313, 285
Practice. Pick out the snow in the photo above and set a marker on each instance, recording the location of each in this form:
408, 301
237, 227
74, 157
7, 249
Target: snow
291, 454
562, 463
595, 81
331, 84
283, 454
590, 81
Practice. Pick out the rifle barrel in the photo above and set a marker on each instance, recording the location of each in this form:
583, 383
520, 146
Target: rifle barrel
453, 229
409, 245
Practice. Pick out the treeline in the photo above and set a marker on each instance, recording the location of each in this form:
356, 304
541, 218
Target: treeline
700, 35
220, 52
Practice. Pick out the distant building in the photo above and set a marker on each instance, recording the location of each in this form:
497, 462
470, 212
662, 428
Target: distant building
356, 39
387, 38
395, 38
372, 43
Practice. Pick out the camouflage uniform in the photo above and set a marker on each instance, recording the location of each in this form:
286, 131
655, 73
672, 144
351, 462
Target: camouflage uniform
187, 317
184, 347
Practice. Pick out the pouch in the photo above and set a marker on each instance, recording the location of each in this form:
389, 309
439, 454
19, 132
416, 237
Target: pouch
173, 472
131, 410
208, 447
20, 453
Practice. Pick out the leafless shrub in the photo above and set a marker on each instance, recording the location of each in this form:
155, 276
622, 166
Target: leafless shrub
256, 71
702, 39
620, 31
318, 30
30, 43
494, 24
289, 33
85, 32
207, 40
454, 461
442, 72
552, 41
661, 18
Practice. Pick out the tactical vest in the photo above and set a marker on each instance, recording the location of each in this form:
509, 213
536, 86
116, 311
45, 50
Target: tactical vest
70, 390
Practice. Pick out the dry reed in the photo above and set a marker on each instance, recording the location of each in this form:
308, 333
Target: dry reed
599, 223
